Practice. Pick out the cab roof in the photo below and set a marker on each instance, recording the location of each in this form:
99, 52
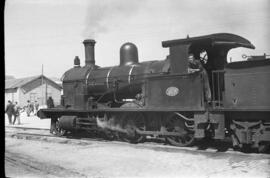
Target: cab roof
223, 39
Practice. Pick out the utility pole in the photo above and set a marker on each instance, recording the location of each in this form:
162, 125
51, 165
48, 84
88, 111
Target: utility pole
42, 86
46, 93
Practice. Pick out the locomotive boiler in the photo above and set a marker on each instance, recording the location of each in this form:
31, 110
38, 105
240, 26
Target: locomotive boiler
108, 85
162, 99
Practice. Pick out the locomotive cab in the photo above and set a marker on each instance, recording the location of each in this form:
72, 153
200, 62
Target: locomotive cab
212, 52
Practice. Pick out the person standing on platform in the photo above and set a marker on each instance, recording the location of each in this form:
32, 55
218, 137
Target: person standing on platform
50, 103
29, 108
10, 111
16, 113
36, 105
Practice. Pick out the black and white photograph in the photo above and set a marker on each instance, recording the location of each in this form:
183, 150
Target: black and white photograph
137, 88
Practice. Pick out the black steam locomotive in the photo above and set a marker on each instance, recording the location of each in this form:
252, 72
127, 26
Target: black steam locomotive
161, 99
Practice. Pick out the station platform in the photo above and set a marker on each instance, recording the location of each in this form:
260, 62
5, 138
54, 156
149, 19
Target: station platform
30, 122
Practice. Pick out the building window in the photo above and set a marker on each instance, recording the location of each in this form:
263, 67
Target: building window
33, 97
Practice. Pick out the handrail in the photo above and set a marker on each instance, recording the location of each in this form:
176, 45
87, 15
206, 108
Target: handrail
217, 88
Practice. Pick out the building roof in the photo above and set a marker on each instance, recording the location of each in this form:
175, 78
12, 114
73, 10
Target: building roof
29, 83
17, 83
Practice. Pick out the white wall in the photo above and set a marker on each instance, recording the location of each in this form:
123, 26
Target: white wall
55, 94
38, 94
12, 97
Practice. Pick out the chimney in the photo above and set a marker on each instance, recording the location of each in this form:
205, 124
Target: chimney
89, 46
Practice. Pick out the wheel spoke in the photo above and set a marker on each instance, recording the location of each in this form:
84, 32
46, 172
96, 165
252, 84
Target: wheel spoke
175, 124
132, 122
130, 125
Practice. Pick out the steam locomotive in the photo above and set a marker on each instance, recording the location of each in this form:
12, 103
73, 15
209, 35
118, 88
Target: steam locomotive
161, 99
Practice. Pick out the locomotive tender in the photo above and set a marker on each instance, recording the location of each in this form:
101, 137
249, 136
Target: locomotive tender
161, 99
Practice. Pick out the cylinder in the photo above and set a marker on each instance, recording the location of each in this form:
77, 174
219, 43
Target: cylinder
128, 54
89, 46
67, 122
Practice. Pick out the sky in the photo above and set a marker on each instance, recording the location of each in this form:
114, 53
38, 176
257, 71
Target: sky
51, 32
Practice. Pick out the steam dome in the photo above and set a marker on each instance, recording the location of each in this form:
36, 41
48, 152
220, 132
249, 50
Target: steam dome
128, 54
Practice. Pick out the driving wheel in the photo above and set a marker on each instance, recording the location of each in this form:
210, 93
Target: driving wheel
130, 123
176, 124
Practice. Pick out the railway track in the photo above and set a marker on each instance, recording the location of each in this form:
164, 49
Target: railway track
28, 166
28, 147
40, 134
24, 128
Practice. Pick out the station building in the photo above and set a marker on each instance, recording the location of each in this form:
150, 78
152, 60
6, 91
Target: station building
35, 88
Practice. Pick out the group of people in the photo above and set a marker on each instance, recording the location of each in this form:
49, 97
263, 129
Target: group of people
14, 110
31, 107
